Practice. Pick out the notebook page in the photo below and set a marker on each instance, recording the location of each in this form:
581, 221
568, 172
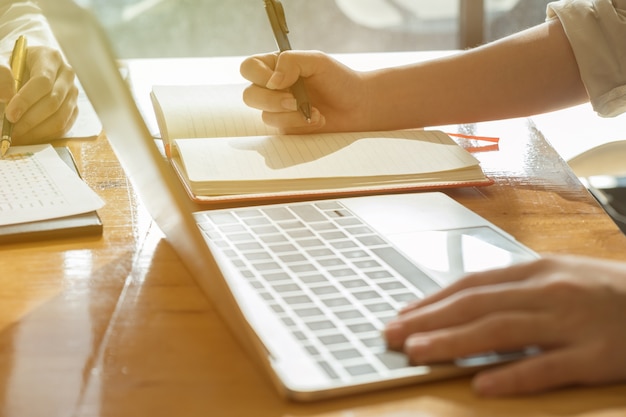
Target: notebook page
38, 185
322, 156
87, 125
205, 111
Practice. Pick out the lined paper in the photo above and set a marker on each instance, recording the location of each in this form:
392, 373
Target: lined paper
206, 111
324, 160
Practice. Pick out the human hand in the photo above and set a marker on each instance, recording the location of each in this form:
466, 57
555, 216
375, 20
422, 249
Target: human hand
46, 105
573, 309
336, 92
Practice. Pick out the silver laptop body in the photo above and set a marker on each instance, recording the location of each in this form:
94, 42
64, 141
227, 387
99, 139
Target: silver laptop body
273, 273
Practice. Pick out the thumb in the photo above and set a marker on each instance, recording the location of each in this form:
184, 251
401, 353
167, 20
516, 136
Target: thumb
290, 65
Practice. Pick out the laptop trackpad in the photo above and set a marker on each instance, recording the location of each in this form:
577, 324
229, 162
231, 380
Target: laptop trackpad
449, 254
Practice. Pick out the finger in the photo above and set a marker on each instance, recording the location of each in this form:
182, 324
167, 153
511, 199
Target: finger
534, 270
464, 307
48, 77
512, 273
279, 71
27, 97
291, 65
474, 302
545, 371
294, 122
53, 127
258, 68
61, 99
45, 62
505, 332
268, 100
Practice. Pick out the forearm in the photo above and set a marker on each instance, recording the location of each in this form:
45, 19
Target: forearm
528, 73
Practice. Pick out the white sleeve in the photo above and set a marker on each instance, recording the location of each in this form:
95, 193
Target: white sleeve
22, 18
596, 30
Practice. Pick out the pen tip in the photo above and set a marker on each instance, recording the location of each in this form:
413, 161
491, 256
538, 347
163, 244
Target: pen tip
4, 147
305, 109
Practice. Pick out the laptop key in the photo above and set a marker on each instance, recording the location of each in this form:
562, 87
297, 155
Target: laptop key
379, 307
328, 369
279, 213
374, 342
393, 360
407, 269
288, 287
346, 354
222, 218
348, 314
362, 327
360, 370
321, 325
333, 339
308, 213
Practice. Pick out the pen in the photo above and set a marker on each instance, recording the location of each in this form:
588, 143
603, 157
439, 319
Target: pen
18, 65
276, 15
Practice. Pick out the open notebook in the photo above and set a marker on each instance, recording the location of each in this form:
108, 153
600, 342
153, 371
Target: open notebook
305, 286
222, 151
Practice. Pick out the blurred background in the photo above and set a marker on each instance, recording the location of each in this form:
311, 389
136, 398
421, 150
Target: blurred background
202, 28
192, 28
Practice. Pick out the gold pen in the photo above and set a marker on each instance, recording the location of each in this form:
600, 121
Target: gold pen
18, 66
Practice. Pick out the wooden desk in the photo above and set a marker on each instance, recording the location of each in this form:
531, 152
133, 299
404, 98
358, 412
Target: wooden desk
115, 326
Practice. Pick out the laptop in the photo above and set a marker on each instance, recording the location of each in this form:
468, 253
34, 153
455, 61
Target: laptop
306, 287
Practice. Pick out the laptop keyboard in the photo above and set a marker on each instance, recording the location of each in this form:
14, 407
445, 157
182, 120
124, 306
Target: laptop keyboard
329, 277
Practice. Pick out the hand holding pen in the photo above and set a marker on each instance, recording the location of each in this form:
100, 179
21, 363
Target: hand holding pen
276, 15
18, 67
341, 96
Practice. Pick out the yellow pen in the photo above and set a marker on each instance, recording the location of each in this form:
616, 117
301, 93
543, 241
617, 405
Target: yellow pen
18, 66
